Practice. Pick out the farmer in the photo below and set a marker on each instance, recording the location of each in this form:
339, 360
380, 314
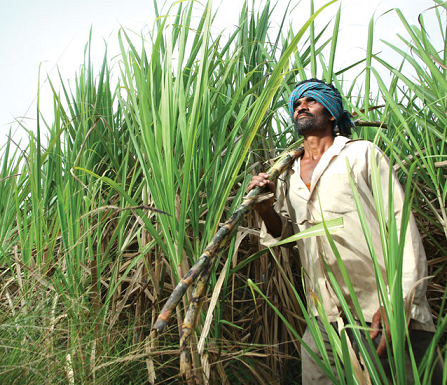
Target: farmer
316, 187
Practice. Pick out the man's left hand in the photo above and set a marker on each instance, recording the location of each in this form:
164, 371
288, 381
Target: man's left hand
378, 321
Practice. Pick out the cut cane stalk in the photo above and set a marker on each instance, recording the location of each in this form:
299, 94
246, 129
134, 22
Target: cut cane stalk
191, 317
218, 243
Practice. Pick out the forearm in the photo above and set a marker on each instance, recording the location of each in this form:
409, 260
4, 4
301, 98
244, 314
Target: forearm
272, 221
269, 216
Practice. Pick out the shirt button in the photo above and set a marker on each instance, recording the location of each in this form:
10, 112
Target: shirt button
310, 200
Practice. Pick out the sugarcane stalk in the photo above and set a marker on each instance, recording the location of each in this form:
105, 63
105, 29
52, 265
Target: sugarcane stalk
190, 320
221, 239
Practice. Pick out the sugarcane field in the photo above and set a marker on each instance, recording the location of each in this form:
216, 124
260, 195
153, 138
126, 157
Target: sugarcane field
238, 192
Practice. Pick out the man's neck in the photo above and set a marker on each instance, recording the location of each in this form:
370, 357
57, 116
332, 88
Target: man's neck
316, 146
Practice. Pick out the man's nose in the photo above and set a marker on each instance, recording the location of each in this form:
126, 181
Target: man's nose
303, 107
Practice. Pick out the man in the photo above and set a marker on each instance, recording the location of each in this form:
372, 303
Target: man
316, 187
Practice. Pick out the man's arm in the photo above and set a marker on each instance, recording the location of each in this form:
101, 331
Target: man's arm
414, 260
265, 209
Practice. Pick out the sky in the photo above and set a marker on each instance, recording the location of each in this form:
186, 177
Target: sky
39, 36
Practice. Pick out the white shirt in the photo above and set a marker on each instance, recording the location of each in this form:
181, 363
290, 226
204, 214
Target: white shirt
331, 197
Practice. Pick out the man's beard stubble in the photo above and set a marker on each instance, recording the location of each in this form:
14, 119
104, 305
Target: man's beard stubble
306, 125
310, 124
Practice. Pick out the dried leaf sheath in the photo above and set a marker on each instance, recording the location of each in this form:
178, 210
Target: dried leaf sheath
221, 240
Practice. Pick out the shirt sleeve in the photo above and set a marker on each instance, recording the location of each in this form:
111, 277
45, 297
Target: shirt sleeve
414, 260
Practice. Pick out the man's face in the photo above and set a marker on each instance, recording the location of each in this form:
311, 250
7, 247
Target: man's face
311, 117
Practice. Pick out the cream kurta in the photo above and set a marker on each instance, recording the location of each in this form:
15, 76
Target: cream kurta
299, 209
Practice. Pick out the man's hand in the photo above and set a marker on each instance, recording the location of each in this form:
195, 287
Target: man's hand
261, 180
378, 320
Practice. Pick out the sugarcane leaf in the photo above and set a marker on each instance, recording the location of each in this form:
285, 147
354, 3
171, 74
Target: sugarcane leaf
317, 230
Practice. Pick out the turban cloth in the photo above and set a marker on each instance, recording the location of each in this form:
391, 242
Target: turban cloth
327, 97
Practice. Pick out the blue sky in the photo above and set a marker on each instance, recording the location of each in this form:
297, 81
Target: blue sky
50, 33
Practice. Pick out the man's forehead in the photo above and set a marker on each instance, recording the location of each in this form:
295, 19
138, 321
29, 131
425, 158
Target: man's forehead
306, 98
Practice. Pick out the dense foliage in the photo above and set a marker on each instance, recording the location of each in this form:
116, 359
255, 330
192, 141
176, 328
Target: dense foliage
86, 262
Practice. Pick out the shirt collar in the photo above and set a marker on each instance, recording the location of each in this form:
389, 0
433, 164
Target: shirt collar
333, 151
338, 145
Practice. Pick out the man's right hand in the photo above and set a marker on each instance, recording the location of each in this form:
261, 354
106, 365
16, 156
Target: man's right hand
261, 180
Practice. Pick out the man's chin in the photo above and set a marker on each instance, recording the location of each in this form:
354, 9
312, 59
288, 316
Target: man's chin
302, 129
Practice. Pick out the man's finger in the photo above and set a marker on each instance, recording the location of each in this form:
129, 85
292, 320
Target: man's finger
382, 345
376, 325
374, 333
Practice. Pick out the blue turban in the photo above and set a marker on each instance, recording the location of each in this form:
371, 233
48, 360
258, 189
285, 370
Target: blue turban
327, 97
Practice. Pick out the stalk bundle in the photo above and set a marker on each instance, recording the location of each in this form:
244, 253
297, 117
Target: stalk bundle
204, 264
